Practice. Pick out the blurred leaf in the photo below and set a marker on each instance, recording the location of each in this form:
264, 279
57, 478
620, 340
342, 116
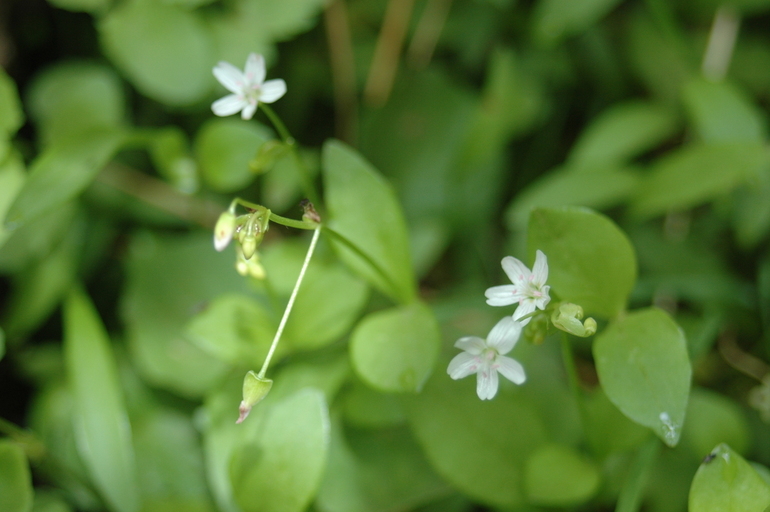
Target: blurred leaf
751, 210
11, 114
92, 6
365, 407
558, 476
16, 493
164, 50
363, 208
61, 172
727, 482
224, 148
102, 426
170, 153
12, 176
73, 98
608, 430
642, 363
394, 350
279, 468
575, 241
721, 112
175, 275
697, 173
189, 4
479, 447
602, 188
620, 133
712, 419
49, 501
554, 20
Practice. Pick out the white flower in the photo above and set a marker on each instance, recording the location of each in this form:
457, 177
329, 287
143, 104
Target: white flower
486, 358
528, 288
248, 87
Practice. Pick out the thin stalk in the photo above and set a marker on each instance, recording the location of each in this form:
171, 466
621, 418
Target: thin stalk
291, 223
290, 305
574, 382
630, 499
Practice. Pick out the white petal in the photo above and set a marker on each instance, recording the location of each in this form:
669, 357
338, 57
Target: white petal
248, 110
503, 295
516, 271
540, 270
486, 384
228, 105
272, 90
471, 344
462, 365
511, 369
524, 309
543, 301
230, 76
504, 335
255, 69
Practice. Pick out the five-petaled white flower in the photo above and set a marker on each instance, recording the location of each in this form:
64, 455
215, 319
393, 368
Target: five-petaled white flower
528, 288
248, 87
486, 358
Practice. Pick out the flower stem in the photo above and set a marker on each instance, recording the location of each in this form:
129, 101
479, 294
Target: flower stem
291, 223
631, 494
283, 132
574, 382
290, 305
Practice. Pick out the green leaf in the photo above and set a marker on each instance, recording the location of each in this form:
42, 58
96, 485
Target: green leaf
11, 114
72, 98
556, 19
558, 476
279, 468
622, 132
224, 148
395, 350
713, 419
365, 407
363, 208
643, 367
170, 152
101, 419
16, 493
92, 6
164, 50
590, 261
62, 172
50, 501
721, 112
479, 447
695, 174
12, 176
608, 430
726, 482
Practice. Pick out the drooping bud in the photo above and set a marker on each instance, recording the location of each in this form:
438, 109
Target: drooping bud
308, 212
249, 245
567, 318
223, 231
255, 389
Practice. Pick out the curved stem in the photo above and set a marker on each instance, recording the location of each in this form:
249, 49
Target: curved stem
290, 305
291, 223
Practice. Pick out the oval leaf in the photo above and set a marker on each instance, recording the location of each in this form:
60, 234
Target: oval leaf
394, 350
725, 481
101, 420
364, 209
558, 476
644, 369
590, 260
16, 492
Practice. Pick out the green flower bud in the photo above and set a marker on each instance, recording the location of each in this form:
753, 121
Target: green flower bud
249, 246
223, 231
567, 318
255, 389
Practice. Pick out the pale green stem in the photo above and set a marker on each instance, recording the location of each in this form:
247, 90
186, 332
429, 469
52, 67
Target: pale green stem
574, 382
630, 499
286, 312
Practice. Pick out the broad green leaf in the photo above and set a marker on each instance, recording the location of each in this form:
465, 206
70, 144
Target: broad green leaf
224, 148
164, 50
608, 430
61, 172
695, 174
176, 275
11, 114
72, 98
50, 501
189, 4
713, 419
365, 407
286, 19
620, 133
643, 368
235, 329
558, 476
16, 493
280, 465
394, 350
601, 188
590, 261
722, 113
171, 155
363, 209
557, 19
101, 420
751, 210
479, 447
725, 482
328, 303
12, 176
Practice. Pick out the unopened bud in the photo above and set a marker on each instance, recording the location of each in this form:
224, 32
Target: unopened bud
567, 318
223, 231
249, 245
255, 389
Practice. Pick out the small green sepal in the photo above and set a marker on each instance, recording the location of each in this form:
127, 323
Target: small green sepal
255, 389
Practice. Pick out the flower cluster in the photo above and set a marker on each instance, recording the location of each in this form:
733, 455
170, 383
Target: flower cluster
487, 357
248, 230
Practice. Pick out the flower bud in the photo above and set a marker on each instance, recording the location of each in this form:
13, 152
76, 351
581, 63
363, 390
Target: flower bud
249, 245
223, 231
567, 318
255, 389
